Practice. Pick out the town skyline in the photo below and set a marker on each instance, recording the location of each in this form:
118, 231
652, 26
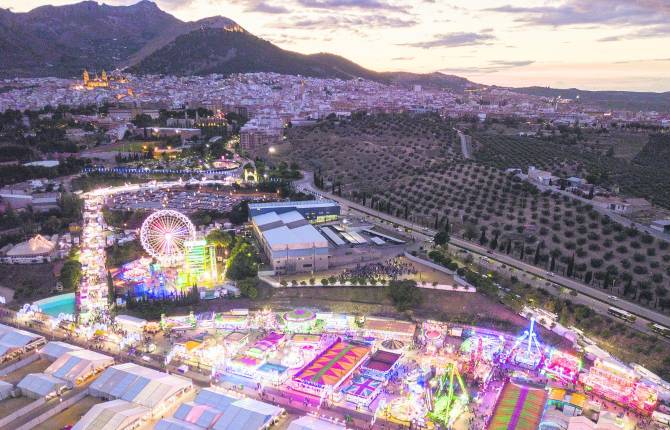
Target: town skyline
596, 45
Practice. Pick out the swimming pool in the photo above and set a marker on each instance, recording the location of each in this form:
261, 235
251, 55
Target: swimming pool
62, 303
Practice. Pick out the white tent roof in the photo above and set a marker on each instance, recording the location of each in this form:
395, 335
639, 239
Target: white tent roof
248, 414
53, 350
78, 364
5, 389
215, 399
112, 415
309, 422
200, 415
35, 246
174, 424
15, 338
40, 384
212, 409
138, 384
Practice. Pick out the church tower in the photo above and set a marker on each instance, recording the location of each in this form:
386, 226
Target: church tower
86, 77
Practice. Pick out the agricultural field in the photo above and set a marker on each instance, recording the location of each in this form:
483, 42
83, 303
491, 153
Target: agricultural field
411, 167
643, 175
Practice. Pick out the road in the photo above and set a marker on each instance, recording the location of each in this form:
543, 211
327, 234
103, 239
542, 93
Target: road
465, 143
599, 298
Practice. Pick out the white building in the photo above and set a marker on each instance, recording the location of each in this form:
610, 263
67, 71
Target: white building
291, 243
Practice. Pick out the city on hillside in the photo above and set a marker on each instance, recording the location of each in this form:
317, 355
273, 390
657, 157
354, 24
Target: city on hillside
202, 230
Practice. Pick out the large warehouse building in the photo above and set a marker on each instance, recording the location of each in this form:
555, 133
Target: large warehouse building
315, 211
290, 242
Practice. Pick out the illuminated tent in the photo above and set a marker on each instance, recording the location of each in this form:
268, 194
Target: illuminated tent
112, 415
140, 385
393, 344
40, 385
75, 366
53, 350
212, 409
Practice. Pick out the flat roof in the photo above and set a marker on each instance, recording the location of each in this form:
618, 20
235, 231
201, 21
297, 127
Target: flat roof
303, 235
332, 236
297, 204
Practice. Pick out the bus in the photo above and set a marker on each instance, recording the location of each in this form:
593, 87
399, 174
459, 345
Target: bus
660, 329
620, 313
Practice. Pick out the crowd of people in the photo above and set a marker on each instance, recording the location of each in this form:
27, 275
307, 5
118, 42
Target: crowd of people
391, 269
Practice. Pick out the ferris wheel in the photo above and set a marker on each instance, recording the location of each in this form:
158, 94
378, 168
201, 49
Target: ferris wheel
163, 234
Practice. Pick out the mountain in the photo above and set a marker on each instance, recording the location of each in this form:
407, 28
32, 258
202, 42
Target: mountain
435, 80
214, 50
622, 100
64, 40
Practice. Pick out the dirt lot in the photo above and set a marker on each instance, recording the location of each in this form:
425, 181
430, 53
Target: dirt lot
71, 415
8, 406
29, 281
37, 366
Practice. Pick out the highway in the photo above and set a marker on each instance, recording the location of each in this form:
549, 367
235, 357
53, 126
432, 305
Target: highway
597, 299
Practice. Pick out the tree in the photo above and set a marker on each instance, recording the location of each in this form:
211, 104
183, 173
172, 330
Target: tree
482, 237
70, 274
588, 277
221, 240
248, 287
441, 238
111, 290
571, 266
404, 294
242, 262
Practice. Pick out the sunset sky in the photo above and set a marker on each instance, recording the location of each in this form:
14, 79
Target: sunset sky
590, 44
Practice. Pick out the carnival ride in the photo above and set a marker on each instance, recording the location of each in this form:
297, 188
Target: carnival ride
413, 403
527, 351
562, 366
621, 385
163, 235
448, 405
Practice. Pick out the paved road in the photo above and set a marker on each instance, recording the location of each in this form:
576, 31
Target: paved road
599, 297
465, 143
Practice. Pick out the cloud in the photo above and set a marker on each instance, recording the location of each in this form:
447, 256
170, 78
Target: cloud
402, 58
351, 4
452, 40
260, 6
335, 22
600, 12
492, 67
644, 33
511, 64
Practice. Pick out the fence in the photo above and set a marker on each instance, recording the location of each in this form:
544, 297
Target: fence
429, 264
55, 410
21, 412
19, 364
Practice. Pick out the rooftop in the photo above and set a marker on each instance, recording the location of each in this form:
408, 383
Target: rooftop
296, 204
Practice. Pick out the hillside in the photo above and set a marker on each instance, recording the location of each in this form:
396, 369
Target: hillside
63, 40
624, 100
214, 50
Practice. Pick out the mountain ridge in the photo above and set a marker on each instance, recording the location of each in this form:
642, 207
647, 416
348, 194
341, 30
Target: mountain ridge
61, 41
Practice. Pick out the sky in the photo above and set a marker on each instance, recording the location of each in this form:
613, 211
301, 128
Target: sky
588, 44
